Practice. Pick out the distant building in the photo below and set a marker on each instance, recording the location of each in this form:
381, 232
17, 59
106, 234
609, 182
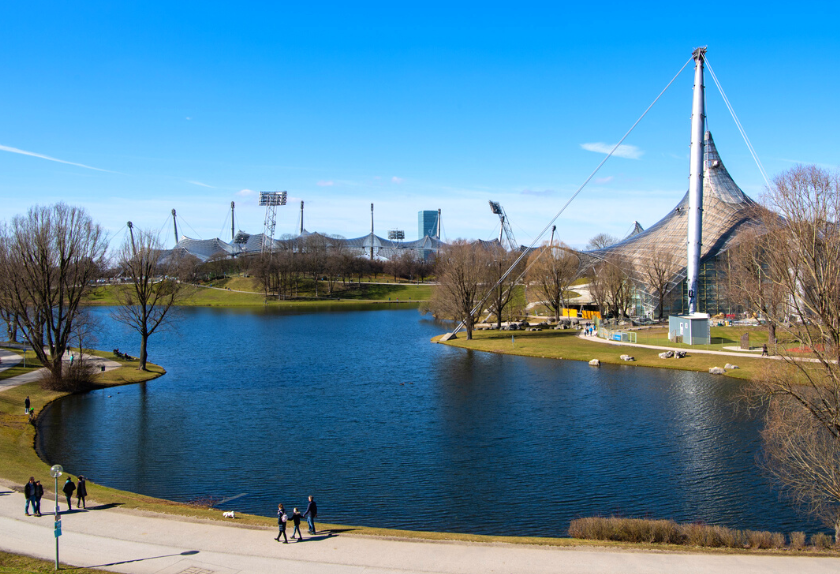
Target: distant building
427, 224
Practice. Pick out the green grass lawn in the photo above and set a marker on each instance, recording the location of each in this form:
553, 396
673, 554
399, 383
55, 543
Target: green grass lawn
17, 564
567, 345
217, 294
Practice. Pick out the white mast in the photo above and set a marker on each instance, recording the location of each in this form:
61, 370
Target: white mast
695, 184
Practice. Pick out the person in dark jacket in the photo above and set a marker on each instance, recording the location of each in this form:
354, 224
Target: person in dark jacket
296, 518
81, 492
39, 493
281, 524
68, 489
29, 493
26, 404
311, 514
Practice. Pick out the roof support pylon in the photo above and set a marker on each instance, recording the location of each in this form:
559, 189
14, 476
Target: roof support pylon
695, 184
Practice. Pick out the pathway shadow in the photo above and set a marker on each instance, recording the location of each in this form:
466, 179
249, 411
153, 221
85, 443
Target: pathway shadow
185, 553
323, 535
106, 506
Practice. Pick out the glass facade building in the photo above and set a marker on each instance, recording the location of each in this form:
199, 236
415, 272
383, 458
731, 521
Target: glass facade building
427, 224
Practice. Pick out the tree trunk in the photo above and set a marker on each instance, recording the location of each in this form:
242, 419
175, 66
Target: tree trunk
771, 336
143, 339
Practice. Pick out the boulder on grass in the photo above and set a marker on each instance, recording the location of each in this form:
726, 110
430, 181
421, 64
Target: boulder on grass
730, 366
717, 371
666, 355
627, 358
595, 363
679, 354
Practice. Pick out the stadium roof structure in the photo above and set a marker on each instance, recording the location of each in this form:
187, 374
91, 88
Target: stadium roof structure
247, 244
727, 210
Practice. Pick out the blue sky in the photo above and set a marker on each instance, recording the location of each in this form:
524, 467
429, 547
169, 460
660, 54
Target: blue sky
409, 106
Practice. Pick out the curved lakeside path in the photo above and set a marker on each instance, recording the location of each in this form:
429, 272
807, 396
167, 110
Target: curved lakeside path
743, 353
11, 359
146, 543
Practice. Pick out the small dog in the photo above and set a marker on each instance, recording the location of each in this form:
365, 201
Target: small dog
231, 514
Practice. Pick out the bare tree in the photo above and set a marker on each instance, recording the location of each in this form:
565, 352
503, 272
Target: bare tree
146, 304
804, 457
658, 273
750, 277
800, 255
49, 258
601, 241
461, 270
503, 295
552, 269
611, 286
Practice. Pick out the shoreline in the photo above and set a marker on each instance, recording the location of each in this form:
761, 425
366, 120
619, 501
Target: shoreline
138, 503
569, 346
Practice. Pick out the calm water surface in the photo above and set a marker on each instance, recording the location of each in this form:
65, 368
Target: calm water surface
385, 429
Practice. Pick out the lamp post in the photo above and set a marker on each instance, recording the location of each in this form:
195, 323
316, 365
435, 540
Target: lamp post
56, 471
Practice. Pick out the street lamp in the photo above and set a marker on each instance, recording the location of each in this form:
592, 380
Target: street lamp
56, 470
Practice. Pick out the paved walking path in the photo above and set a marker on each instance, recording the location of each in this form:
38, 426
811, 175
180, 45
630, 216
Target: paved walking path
9, 359
6, 384
693, 351
144, 543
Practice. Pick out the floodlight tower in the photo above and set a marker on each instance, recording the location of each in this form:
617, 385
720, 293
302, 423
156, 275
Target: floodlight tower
504, 228
232, 225
270, 200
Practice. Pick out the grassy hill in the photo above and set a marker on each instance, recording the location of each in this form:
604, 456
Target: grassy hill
246, 291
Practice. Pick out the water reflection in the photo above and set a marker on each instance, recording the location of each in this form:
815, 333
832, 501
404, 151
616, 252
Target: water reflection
389, 430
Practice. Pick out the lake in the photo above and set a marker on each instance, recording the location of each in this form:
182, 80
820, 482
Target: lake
356, 407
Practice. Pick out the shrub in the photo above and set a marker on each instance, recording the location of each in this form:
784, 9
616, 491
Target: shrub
777, 540
74, 378
797, 540
759, 539
626, 530
821, 540
712, 536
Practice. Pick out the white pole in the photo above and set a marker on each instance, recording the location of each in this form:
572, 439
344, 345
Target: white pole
695, 184
56, 519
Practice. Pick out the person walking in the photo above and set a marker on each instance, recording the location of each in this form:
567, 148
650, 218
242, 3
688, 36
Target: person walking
764, 350
29, 493
281, 524
81, 492
26, 404
68, 489
296, 518
311, 514
39, 493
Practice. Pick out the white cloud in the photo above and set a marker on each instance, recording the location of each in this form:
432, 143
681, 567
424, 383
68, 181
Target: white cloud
38, 155
625, 151
325, 183
245, 192
201, 184
603, 180
396, 179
